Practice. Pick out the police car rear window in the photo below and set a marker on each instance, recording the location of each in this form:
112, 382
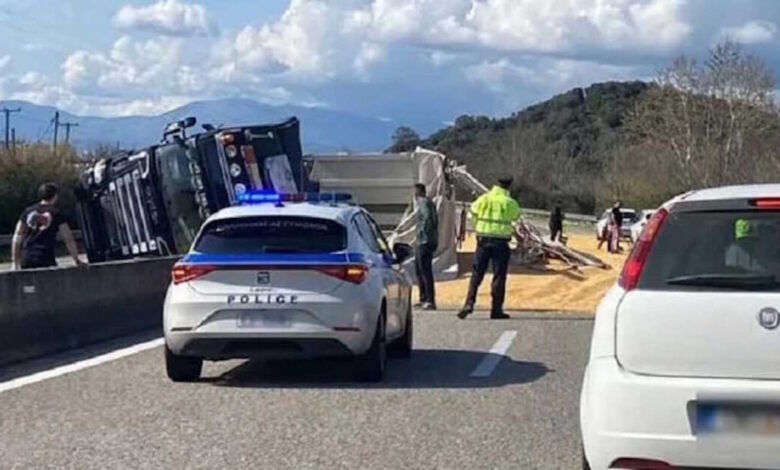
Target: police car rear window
716, 250
255, 235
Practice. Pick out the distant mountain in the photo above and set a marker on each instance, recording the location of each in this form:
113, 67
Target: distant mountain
323, 130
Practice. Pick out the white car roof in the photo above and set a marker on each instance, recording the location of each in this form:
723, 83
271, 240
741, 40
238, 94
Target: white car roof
337, 212
747, 191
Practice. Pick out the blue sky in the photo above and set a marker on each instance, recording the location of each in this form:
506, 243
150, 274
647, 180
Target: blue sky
416, 62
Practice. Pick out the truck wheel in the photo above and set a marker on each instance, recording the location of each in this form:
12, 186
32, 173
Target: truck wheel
371, 365
182, 368
402, 347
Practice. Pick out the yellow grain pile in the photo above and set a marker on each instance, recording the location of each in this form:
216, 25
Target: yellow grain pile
548, 288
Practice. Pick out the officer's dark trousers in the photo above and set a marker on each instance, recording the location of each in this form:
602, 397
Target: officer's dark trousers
495, 251
423, 264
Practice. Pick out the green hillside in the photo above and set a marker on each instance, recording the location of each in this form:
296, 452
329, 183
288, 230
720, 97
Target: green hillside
556, 149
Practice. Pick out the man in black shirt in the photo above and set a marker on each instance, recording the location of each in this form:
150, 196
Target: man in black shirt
36, 233
556, 222
617, 220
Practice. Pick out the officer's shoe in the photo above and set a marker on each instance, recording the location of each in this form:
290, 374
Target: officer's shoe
428, 306
499, 316
466, 311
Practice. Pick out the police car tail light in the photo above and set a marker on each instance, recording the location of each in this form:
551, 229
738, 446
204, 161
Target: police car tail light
354, 273
188, 272
632, 270
766, 203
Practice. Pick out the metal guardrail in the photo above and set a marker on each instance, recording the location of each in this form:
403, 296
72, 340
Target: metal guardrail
539, 213
581, 218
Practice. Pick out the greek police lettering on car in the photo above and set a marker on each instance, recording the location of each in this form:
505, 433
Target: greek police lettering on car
262, 299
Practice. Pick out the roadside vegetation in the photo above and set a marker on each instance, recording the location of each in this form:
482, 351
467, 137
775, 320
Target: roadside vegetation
698, 124
26, 168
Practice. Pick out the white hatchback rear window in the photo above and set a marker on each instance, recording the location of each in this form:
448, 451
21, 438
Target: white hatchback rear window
734, 250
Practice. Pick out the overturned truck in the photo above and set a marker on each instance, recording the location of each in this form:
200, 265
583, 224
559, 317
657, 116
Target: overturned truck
152, 202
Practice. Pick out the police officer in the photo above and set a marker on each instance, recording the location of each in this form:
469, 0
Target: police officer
493, 214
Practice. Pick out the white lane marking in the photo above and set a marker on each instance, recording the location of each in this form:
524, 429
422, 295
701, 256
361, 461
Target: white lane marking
494, 356
76, 366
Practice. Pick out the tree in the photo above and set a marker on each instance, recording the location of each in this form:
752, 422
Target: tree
706, 124
405, 139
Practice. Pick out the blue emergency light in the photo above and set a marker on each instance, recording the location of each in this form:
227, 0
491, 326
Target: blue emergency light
260, 197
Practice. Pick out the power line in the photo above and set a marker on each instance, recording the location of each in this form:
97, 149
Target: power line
45, 131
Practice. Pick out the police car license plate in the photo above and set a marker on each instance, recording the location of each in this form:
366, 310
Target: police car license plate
268, 319
737, 419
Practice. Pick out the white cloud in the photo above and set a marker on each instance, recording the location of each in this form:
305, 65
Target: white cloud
370, 53
316, 42
752, 32
545, 75
526, 25
132, 66
34, 47
440, 58
5, 61
167, 17
303, 42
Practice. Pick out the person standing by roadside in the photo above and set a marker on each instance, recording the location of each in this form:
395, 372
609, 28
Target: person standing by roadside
36, 233
493, 214
556, 222
427, 243
616, 223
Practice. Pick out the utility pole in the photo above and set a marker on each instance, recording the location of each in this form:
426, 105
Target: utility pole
13, 141
7, 113
56, 122
68, 125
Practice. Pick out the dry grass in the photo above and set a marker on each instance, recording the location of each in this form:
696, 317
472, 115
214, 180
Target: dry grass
546, 288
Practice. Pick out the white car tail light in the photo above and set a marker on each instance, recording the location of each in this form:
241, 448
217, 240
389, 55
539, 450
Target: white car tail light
188, 272
632, 270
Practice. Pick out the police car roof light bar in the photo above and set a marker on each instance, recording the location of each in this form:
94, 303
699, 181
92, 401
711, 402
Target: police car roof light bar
260, 197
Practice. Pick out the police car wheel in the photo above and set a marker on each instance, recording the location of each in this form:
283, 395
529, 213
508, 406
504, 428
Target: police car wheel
371, 365
402, 347
181, 368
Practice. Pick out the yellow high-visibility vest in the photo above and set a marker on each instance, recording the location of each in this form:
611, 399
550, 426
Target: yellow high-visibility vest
494, 212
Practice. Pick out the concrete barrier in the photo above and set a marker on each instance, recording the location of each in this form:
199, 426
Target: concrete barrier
50, 310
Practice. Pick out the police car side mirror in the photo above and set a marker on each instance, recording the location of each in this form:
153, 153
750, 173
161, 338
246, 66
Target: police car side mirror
402, 252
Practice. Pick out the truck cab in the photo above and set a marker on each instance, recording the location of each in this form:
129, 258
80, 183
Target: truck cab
151, 202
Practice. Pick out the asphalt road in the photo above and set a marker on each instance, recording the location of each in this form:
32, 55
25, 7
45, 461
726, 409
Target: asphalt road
429, 413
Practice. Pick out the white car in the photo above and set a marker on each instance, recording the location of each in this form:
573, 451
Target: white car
629, 217
288, 280
684, 368
639, 225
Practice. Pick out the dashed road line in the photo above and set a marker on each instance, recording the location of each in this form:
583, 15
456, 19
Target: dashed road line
80, 365
493, 357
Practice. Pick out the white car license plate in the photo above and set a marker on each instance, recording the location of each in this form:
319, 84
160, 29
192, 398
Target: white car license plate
737, 419
263, 320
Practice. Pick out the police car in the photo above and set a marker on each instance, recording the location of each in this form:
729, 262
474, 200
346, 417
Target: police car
285, 277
